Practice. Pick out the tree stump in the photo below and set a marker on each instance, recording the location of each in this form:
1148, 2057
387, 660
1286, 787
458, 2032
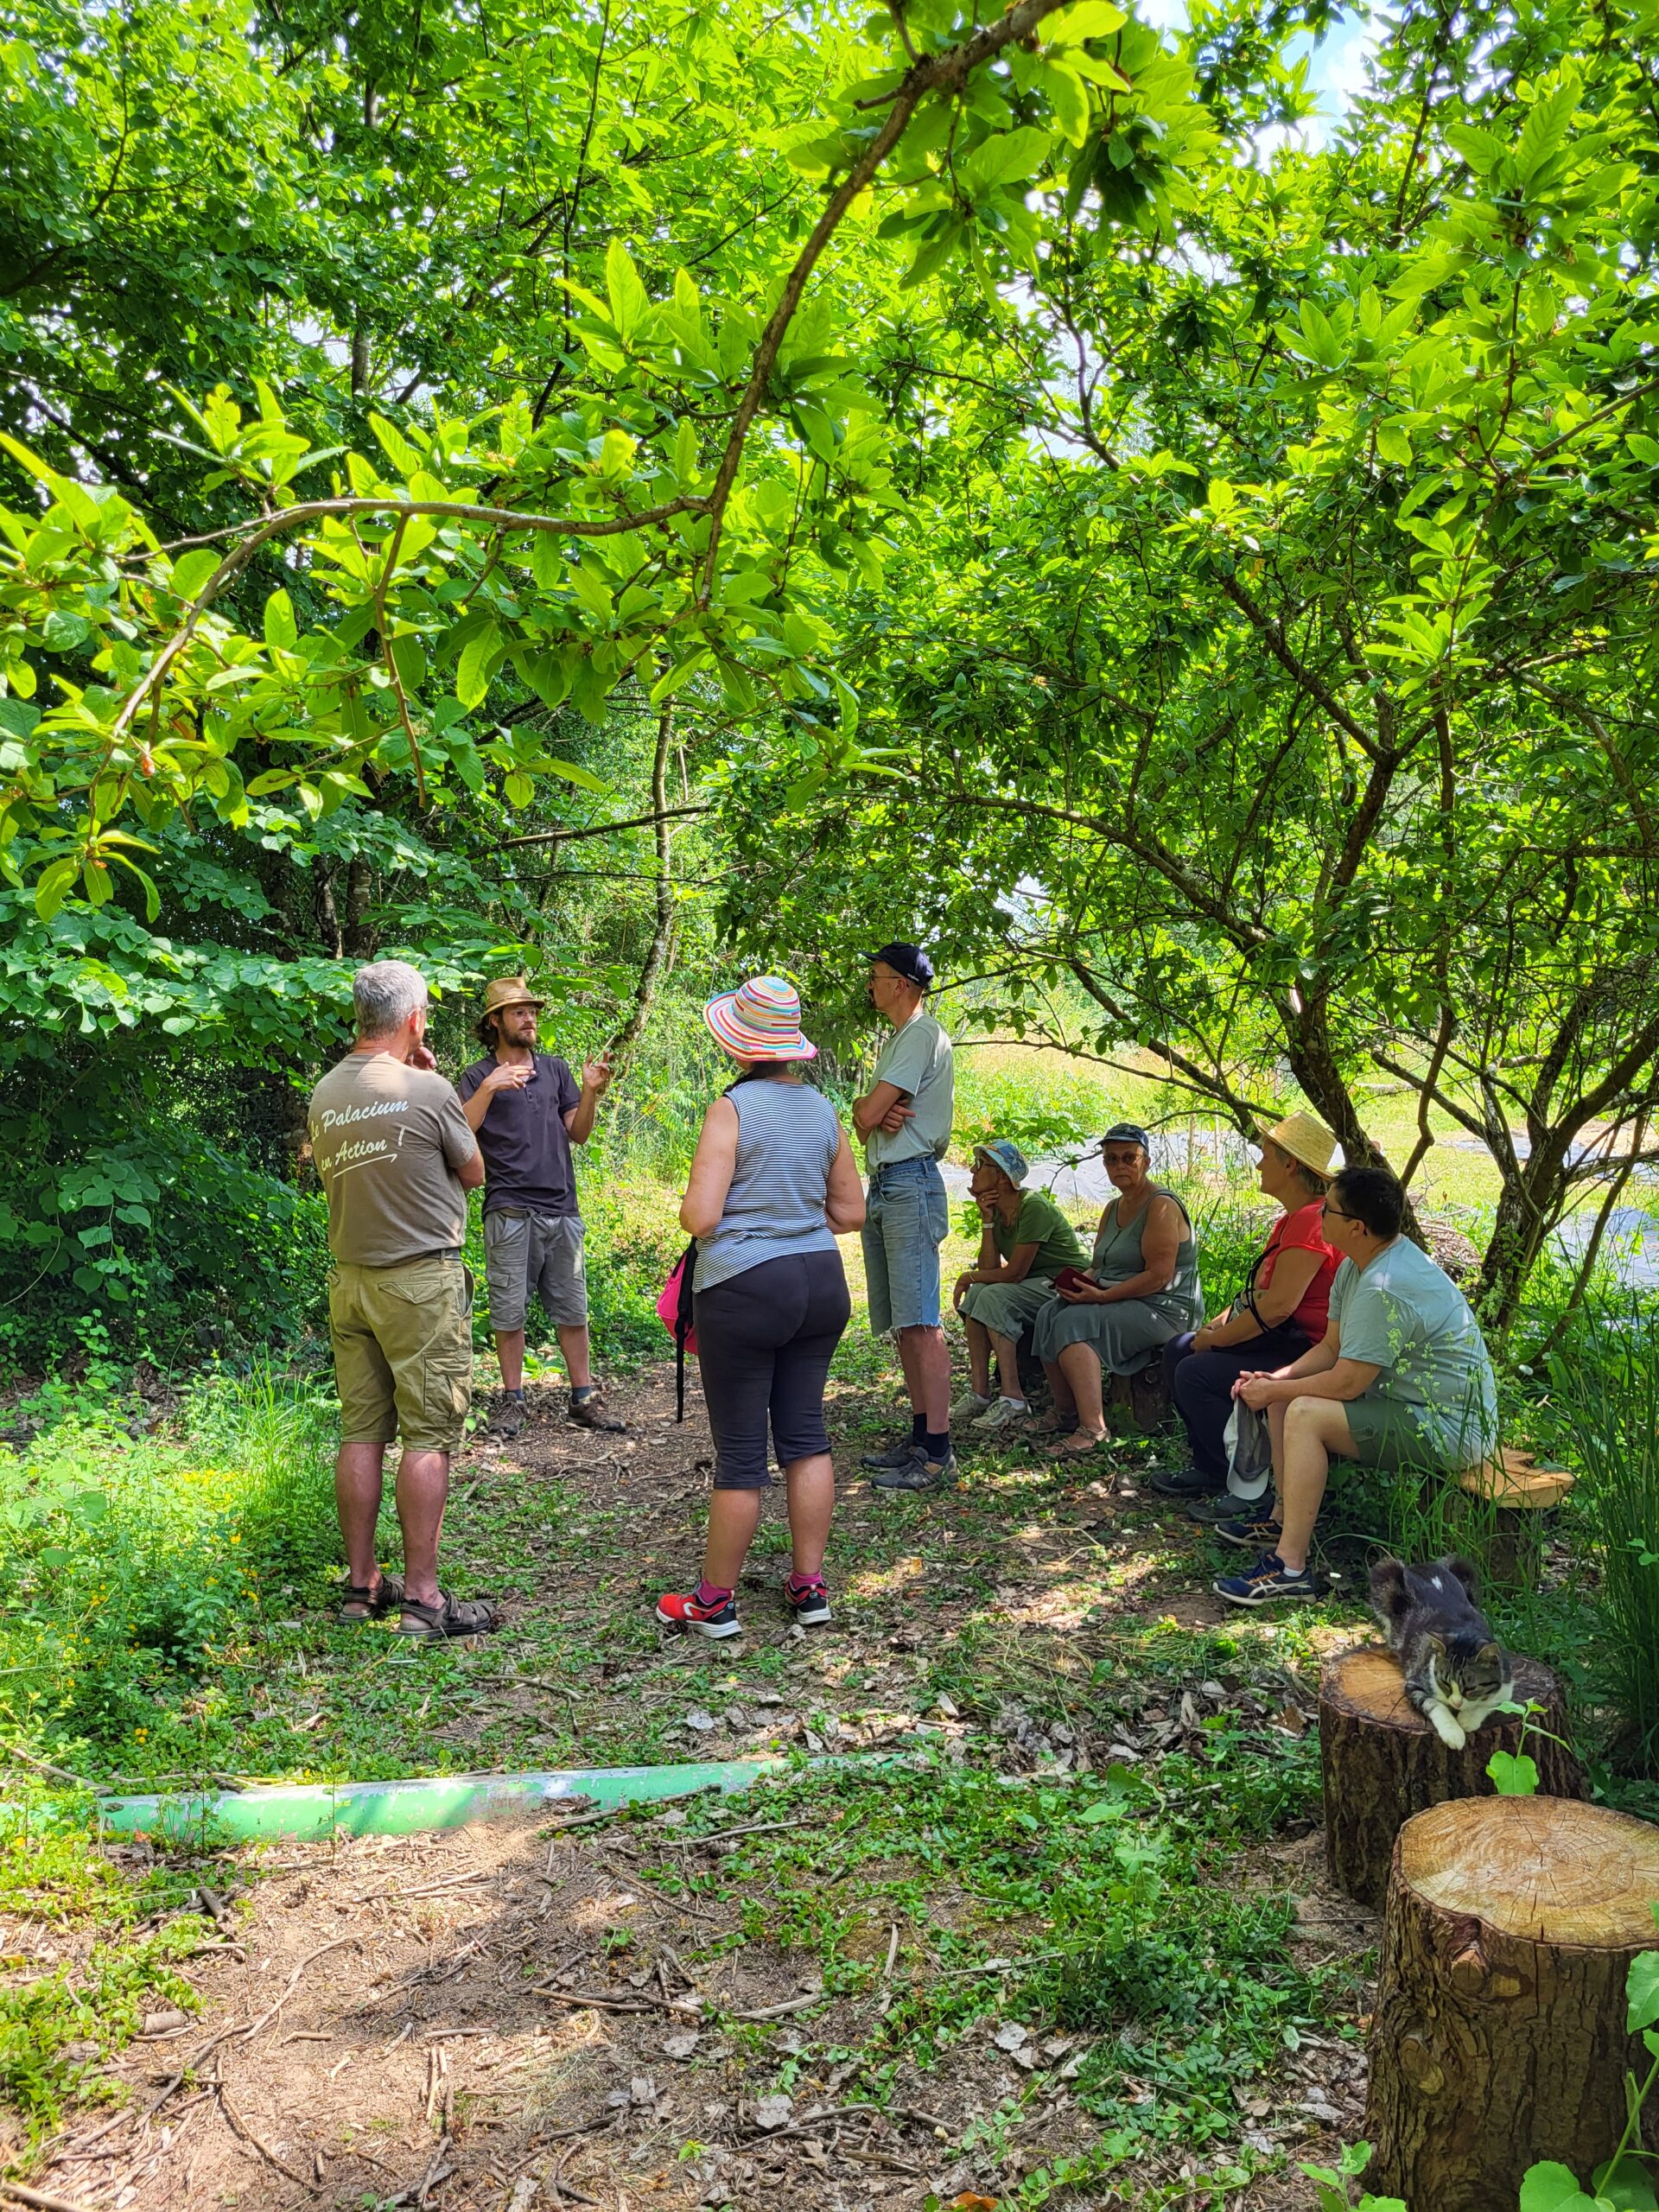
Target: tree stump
1498, 2039
1382, 1761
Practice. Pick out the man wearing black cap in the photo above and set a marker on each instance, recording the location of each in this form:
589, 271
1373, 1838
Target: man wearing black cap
904, 1120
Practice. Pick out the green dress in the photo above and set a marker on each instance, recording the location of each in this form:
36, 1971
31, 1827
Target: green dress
1131, 1333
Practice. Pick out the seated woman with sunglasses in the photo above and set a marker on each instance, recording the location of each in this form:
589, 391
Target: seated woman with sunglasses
1141, 1288
1282, 1312
1400, 1379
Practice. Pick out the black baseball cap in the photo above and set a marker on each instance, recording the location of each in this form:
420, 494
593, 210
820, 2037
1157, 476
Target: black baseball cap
908, 961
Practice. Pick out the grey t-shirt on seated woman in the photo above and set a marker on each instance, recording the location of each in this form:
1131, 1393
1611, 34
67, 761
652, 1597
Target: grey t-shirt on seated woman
787, 1138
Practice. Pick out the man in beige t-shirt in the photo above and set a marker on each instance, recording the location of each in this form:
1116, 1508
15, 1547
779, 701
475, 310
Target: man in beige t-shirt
396, 1158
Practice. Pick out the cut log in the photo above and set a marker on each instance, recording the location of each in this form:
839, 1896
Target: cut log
1507, 1501
1382, 1761
1498, 2039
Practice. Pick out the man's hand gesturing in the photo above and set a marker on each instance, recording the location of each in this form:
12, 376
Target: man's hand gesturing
597, 1075
507, 1075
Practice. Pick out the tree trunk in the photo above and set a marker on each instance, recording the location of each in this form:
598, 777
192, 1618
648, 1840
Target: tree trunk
1498, 2039
1531, 1204
1382, 1761
1308, 1048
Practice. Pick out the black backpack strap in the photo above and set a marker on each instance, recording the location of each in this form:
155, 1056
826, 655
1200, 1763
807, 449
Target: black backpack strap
683, 1314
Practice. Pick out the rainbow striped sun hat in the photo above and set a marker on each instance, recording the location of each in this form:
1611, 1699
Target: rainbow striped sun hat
760, 1020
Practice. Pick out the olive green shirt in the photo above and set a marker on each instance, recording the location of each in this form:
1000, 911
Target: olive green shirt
1040, 1222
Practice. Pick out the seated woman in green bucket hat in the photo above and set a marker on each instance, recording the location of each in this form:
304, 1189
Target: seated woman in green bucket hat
1026, 1242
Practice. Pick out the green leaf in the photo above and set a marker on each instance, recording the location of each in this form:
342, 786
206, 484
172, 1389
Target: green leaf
1641, 1991
616, 455
573, 772
403, 456
629, 303
1102, 1809
190, 574
479, 658
1007, 159
1069, 97
1514, 1775
1550, 2187
282, 631
1623, 2183
682, 672
519, 790
1087, 19
53, 885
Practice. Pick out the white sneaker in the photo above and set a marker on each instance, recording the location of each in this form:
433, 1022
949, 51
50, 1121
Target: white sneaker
1004, 1413
968, 1405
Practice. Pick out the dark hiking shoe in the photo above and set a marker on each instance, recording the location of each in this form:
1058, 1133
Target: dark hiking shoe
589, 1412
896, 1455
1227, 1505
1185, 1482
508, 1415
919, 1473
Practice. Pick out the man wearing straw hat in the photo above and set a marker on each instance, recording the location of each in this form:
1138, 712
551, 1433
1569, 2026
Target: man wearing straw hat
1281, 1310
526, 1110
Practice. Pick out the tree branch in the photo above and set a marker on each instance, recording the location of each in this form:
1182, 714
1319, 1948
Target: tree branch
603, 828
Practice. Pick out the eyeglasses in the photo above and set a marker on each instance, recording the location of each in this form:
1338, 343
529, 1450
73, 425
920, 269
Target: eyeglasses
1328, 1212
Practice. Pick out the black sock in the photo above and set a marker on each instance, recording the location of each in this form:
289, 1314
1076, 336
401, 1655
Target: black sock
919, 1428
518, 1393
580, 1392
937, 1447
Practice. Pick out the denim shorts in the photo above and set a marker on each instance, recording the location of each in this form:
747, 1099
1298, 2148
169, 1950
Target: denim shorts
906, 1219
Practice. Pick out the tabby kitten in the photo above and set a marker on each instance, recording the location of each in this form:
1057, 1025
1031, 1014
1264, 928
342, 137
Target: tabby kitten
1457, 1673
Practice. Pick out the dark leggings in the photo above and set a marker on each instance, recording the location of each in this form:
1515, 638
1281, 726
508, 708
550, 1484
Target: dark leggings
1201, 1383
764, 1341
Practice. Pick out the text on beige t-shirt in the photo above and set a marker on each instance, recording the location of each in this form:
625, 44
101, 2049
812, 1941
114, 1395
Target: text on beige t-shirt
387, 1140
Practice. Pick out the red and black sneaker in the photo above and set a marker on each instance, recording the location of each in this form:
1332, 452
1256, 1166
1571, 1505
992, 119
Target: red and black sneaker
684, 1610
808, 1600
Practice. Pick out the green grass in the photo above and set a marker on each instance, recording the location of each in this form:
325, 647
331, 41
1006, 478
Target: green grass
126, 1933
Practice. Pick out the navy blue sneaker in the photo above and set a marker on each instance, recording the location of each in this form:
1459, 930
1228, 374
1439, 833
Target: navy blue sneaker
1267, 1583
1253, 1527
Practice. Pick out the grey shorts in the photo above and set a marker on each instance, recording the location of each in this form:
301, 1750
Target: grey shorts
1007, 1309
906, 1218
528, 1252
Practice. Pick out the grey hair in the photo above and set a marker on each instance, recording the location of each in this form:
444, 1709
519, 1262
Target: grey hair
385, 994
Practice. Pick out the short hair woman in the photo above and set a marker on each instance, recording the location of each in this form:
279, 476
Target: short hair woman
773, 1185
1141, 1289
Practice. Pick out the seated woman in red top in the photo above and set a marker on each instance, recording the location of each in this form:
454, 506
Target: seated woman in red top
1282, 1310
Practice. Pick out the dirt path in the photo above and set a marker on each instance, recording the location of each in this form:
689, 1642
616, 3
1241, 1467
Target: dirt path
520, 2017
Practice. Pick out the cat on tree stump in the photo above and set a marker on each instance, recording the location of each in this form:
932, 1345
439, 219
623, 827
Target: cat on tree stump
1499, 2037
1382, 1761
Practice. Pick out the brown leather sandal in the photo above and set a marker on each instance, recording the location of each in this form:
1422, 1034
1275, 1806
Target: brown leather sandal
358, 1605
450, 1616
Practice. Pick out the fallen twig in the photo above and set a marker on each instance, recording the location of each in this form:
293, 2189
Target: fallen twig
293, 1983
239, 2126
62, 1773
37, 2197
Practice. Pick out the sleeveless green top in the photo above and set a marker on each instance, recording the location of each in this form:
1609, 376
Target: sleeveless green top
1117, 1256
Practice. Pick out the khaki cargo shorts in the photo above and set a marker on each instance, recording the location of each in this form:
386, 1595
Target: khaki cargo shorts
535, 1252
402, 1340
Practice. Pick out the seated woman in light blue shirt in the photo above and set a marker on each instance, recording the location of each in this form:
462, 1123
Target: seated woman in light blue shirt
1402, 1379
